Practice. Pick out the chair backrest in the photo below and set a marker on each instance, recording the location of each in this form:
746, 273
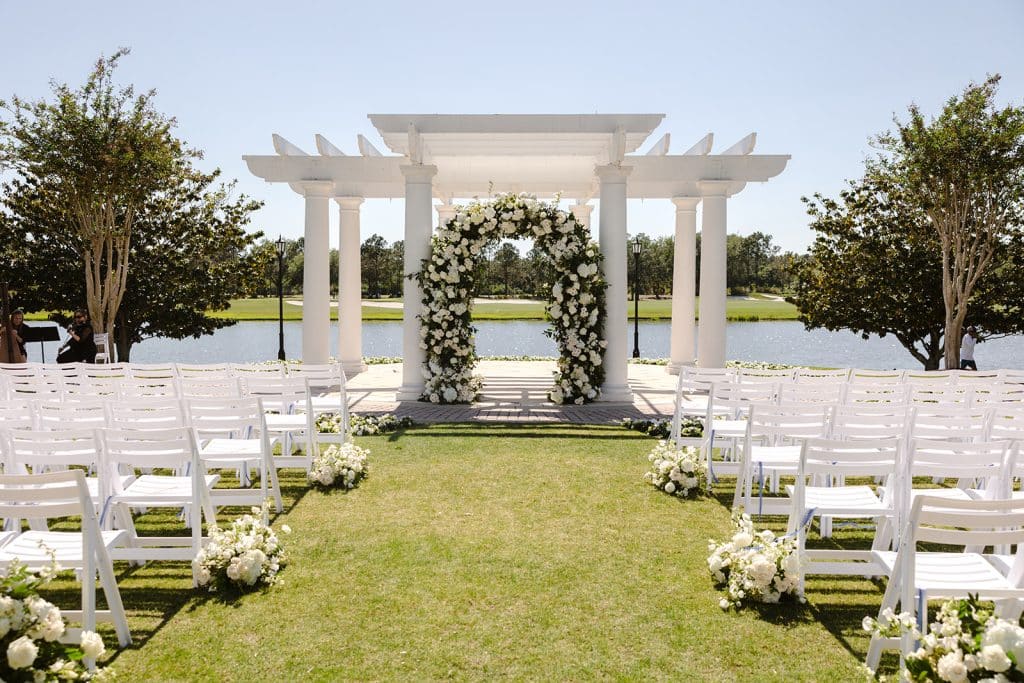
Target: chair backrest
235, 418
862, 376
732, 400
1005, 423
17, 414
105, 370
136, 388
209, 387
47, 496
865, 421
772, 376
948, 424
201, 370
1011, 376
39, 450
933, 377
86, 414
280, 394
870, 392
777, 425
145, 414
693, 380
329, 371
819, 392
87, 388
274, 369
35, 386
825, 460
939, 394
991, 461
131, 449
975, 377
822, 376
148, 371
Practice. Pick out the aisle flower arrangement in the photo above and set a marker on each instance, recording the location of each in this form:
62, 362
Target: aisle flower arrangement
360, 425
661, 429
339, 466
754, 566
242, 557
966, 642
576, 306
30, 632
676, 471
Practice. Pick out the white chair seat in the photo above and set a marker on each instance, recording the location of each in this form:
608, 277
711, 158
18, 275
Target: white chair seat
940, 574
844, 501
155, 490
33, 548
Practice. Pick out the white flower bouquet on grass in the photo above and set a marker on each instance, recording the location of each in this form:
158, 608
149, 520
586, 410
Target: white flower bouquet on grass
31, 629
754, 566
339, 466
679, 472
966, 642
362, 425
244, 556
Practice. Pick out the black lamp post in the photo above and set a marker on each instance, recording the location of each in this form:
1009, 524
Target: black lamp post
280, 297
637, 248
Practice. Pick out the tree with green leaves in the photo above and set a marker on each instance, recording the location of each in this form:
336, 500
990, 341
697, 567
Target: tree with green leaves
964, 171
102, 152
877, 266
189, 254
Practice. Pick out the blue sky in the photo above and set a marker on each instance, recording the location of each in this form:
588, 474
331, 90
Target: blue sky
814, 79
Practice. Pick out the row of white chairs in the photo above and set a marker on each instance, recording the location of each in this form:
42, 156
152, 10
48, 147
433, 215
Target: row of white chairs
698, 379
981, 529
163, 370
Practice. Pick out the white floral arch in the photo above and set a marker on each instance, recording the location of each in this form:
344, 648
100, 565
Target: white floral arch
576, 307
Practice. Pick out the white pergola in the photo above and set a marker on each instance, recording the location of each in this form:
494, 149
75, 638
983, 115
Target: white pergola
579, 157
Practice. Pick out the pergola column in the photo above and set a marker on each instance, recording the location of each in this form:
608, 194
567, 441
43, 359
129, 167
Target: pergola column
711, 330
684, 283
350, 286
419, 214
316, 281
445, 212
612, 237
582, 211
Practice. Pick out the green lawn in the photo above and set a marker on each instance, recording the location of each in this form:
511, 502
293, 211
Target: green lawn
650, 309
486, 552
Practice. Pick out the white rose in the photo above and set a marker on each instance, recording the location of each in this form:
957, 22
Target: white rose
450, 394
21, 653
92, 645
670, 487
951, 667
742, 539
993, 658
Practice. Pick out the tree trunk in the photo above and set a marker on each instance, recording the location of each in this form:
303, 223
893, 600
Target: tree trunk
123, 343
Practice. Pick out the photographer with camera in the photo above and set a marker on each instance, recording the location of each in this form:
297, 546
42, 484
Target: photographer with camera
81, 347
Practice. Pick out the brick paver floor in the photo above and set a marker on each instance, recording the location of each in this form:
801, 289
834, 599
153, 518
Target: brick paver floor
514, 392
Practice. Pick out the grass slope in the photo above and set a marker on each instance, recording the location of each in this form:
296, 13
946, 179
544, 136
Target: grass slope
477, 552
650, 309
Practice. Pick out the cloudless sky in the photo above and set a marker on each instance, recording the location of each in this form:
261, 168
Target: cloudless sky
813, 79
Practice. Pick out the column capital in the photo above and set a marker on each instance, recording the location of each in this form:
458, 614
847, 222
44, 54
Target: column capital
686, 203
418, 173
715, 188
349, 203
612, 173
316, 188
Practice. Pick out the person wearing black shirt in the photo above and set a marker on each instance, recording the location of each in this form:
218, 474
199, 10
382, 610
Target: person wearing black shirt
81, 347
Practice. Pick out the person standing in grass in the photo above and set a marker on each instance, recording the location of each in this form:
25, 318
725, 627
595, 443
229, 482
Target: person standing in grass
967, 349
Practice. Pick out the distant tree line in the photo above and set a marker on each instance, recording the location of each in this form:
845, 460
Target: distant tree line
754, 264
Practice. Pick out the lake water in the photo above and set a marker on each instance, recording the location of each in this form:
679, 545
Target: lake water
776, 342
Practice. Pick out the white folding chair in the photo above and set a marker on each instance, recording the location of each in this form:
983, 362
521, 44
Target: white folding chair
59, 495
827, 393
265, 370
36, 452
769, 375
146, 371
917, 575
771, 448
127, 450
819, 491
102, 340
859, 421
875, 393
203, 370
982, 470
142, 388
290, 415
17, 414
233, 435
85, 414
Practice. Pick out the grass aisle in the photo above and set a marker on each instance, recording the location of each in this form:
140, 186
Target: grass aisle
532, 552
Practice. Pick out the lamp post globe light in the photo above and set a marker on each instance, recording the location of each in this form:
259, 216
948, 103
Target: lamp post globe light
280, 297
637, 248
